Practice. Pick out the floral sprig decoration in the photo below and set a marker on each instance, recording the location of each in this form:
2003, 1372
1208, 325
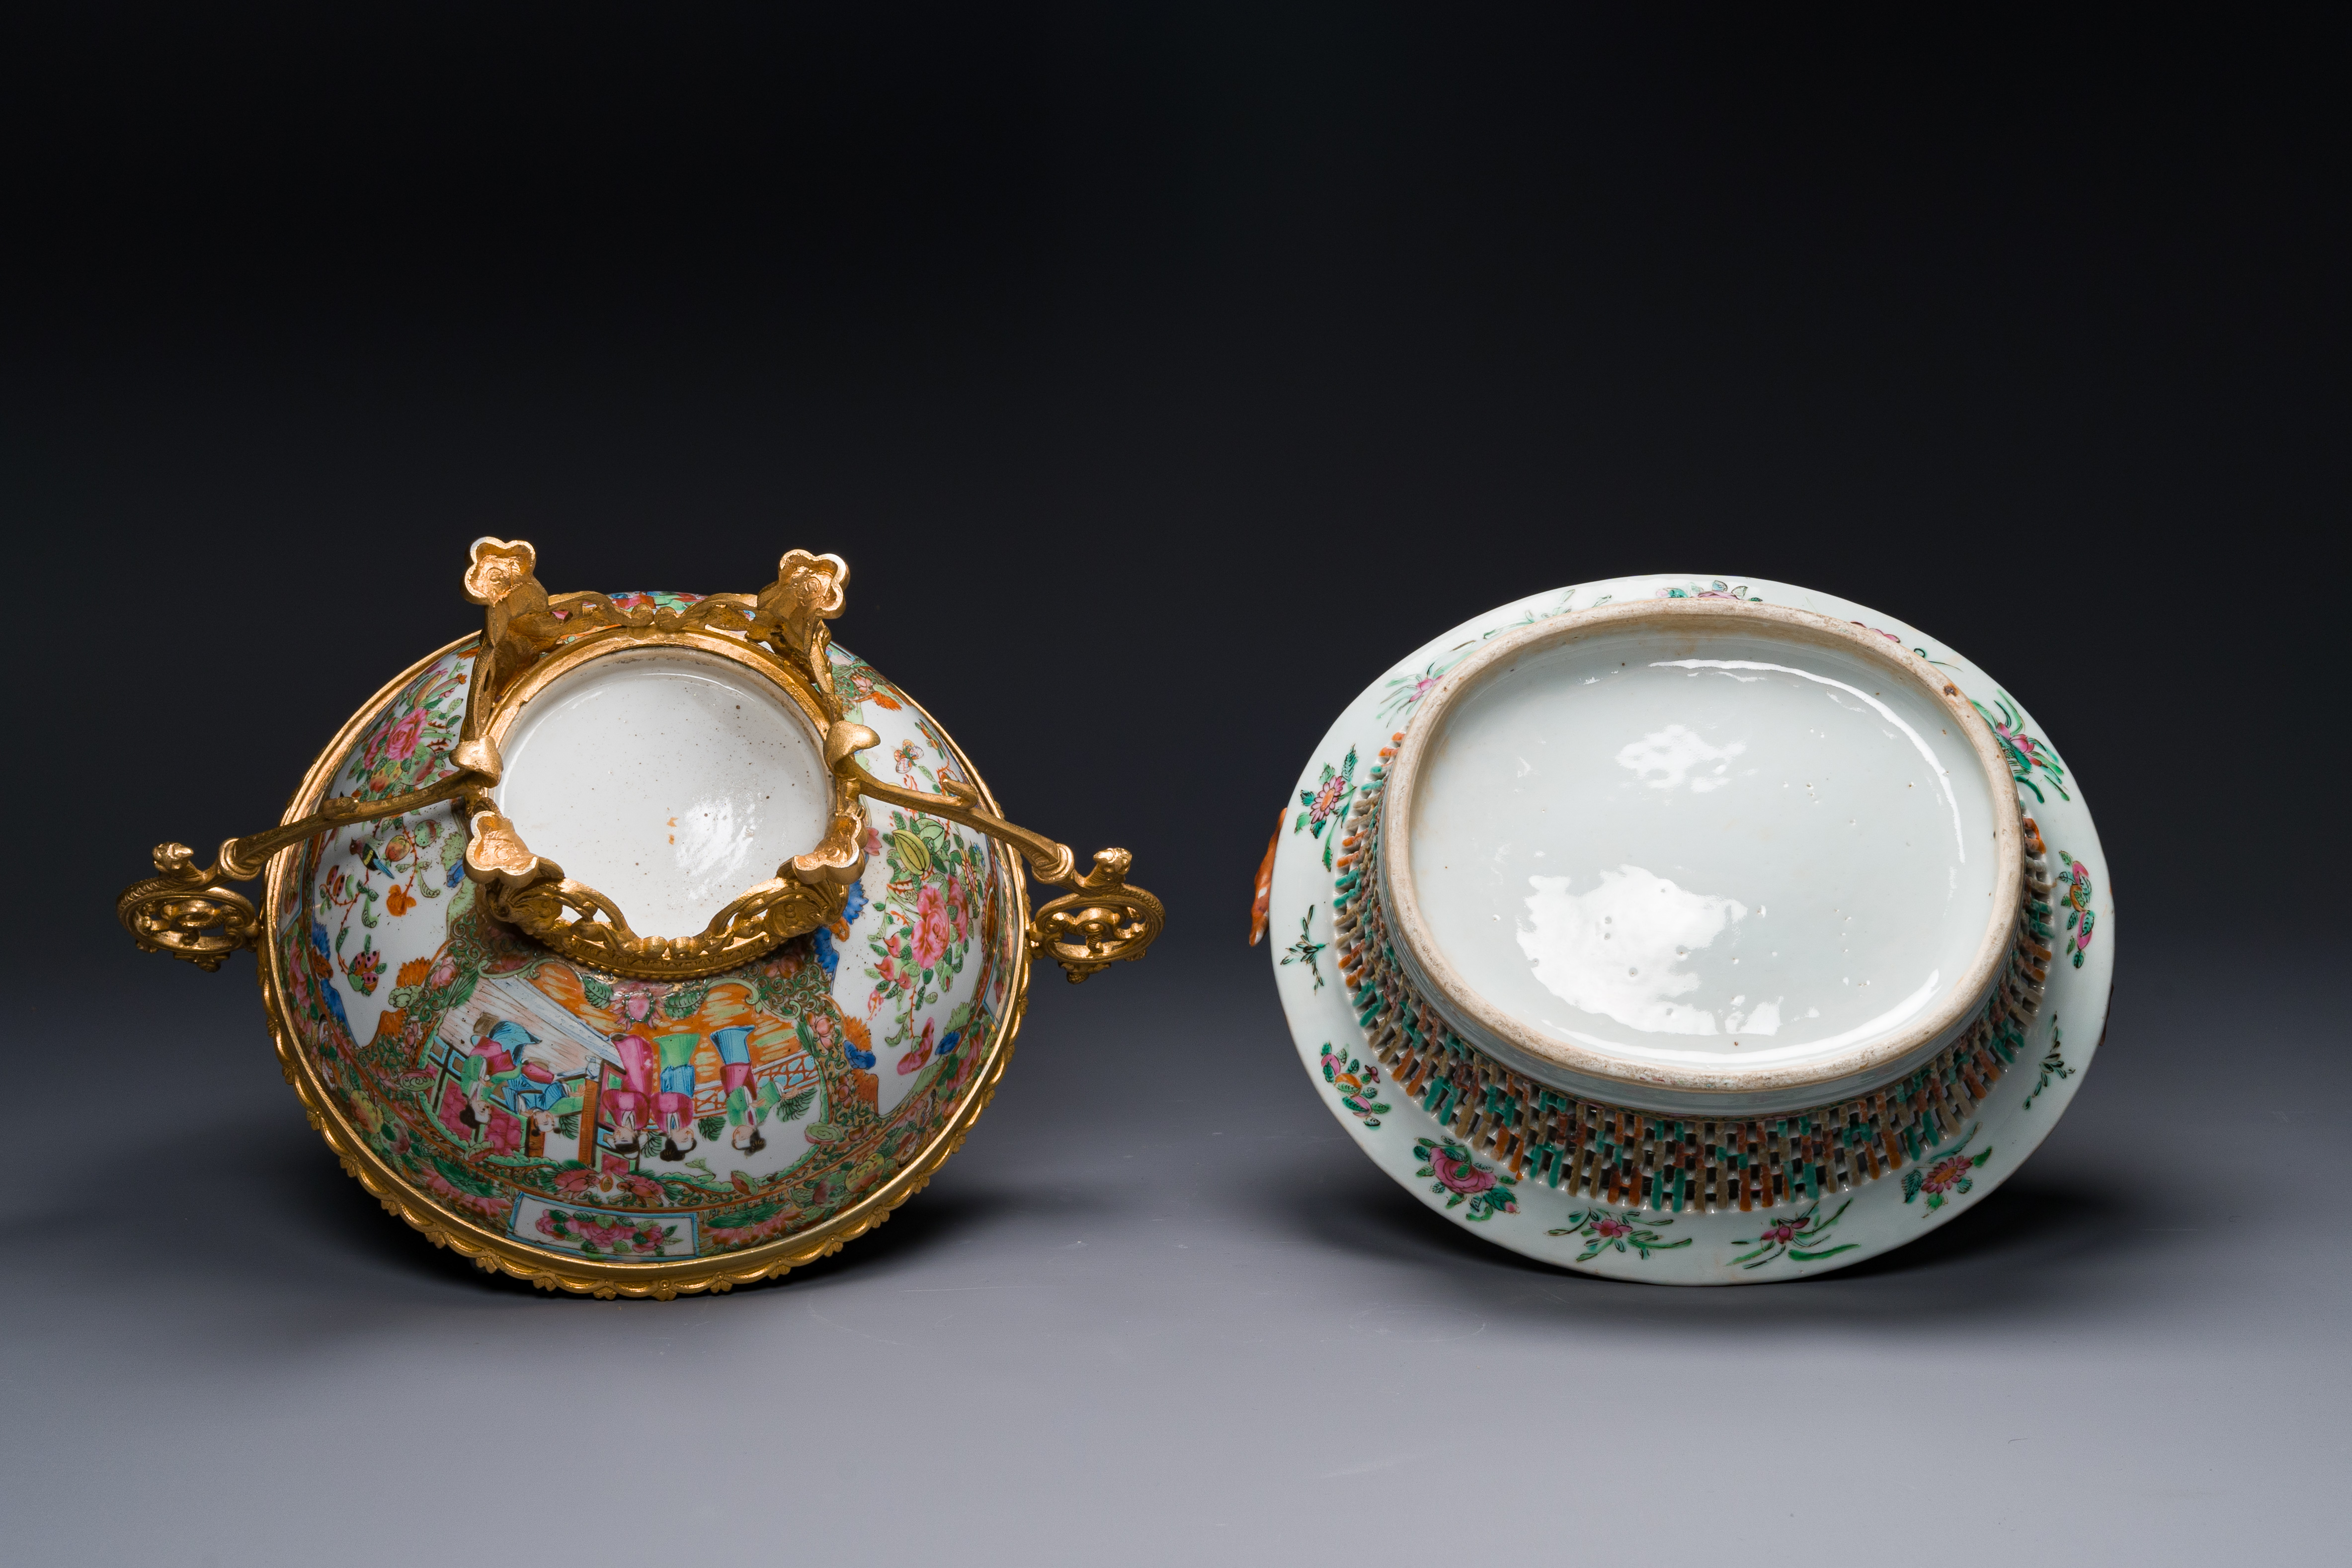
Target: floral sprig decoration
1463, 1180
1624, 1232
1794, 1237
1949, 1177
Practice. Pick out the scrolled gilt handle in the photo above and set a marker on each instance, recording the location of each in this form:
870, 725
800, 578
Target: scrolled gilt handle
188, 911
1104, 921
1100, 921
203, 923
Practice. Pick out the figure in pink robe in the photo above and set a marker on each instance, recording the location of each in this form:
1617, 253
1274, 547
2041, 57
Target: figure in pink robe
633, 1103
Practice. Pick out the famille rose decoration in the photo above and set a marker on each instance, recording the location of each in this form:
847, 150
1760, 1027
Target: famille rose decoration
1691, 931
598, 951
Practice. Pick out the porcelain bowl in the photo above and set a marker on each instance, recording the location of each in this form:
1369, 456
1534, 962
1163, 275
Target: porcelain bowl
1691, 930
597, 1132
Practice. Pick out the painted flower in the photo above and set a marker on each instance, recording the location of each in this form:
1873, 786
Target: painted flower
401, 739
1621, 1233
1463, 1180
1947, 1174
1458, 1174
444, 971
399, 847
930, 928
1326, 802
1327, 799
1405, 690
1798, 1237
2026, 756
412, 972
398, 901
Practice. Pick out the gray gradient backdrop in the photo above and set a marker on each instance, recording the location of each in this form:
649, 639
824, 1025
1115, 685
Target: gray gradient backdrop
1164, 377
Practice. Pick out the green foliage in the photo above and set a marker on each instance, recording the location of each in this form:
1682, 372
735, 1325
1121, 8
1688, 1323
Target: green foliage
598, 992
713, 1126
796, 1108
466, 1180
685, 1000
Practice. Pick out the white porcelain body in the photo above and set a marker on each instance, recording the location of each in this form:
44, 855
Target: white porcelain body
668, 780
1819, 835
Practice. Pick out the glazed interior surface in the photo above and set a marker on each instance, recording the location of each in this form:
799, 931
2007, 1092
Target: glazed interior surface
1724, 849
669, 781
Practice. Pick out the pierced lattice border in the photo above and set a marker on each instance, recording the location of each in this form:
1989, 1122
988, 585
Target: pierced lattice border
1659, 1160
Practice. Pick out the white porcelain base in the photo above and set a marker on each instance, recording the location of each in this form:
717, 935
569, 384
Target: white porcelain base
1695, 1247
669, 782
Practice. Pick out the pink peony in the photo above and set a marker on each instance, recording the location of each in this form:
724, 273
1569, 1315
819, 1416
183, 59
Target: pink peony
1459, 1175
401, 739
930, 928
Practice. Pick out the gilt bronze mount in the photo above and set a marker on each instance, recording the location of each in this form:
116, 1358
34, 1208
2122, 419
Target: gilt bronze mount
530, 641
